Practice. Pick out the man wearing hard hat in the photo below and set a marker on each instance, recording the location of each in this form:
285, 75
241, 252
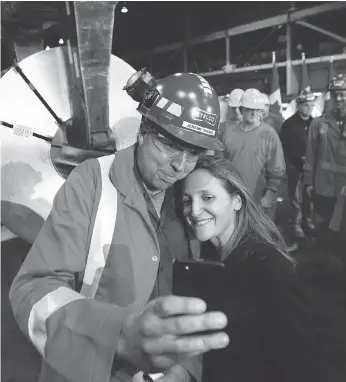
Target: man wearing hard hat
325, 170
271, 119
106, 249
294, 137
255, 149
233, 113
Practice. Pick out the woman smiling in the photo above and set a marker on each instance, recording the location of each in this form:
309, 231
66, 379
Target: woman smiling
269, 323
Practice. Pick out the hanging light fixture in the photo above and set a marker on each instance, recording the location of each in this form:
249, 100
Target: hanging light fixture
61, 41
47, 47
124, 8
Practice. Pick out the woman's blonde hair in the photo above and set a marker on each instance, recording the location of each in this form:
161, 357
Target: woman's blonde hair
251, 221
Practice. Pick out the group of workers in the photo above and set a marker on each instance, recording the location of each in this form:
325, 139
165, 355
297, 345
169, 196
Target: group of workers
253, 146
311, 151
94, 292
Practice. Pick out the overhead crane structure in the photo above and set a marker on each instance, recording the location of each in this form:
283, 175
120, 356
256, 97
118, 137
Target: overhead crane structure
289, 19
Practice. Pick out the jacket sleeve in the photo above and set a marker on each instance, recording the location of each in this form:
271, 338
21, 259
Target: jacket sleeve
76, 336
311, 153
284, 136
276, 166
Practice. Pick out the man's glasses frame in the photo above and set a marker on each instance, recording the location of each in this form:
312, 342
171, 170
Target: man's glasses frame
172, 148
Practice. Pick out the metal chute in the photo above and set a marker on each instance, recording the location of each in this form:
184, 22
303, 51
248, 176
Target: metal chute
30, 132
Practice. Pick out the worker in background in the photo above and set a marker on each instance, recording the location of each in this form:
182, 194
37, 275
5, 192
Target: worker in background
234, 114
270, 118
256, 151
294, 137
106, 249
325, 170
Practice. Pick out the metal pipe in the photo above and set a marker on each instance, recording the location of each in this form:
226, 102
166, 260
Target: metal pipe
288, 60
185, 60
313, 60
323, 31
228, 50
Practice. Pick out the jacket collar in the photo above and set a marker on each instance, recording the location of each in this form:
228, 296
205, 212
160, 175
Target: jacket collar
121, 172
122, 176
299, 118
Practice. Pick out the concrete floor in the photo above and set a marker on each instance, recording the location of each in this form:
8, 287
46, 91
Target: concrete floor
325, 280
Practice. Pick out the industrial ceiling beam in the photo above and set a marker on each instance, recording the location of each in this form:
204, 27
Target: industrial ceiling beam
313, 60
323, 31
245, 28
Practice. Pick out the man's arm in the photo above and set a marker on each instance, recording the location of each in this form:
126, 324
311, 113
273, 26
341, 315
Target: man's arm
286, 142
66, 328
276, 166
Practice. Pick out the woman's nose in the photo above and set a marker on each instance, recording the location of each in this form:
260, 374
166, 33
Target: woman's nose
196, 208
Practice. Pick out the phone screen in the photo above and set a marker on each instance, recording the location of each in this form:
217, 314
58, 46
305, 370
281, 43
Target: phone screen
198, 278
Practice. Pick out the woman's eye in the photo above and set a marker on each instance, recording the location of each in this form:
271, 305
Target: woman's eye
186, 202
208, 198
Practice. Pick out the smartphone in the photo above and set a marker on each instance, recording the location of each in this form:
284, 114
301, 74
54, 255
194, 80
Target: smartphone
200, 278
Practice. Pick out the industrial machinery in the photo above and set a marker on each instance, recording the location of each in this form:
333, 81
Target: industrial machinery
58, 108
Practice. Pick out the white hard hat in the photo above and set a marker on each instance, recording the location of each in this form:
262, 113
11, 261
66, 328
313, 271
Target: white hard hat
234, 97
265, 99
252, 99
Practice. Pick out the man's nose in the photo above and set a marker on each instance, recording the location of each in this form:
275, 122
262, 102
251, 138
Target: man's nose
179, 162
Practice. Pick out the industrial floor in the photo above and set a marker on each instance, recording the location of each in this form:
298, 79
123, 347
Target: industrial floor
325, 280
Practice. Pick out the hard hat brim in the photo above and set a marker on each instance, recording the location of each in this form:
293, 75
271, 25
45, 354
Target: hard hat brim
195, 139
190, 137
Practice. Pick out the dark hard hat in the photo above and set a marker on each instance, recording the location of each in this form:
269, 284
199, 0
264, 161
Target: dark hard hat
186, 106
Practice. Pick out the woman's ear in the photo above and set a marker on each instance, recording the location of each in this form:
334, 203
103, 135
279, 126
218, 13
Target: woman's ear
237, 202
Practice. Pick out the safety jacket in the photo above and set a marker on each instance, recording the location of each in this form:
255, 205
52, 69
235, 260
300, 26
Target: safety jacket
258, 156
325, 165
94, 262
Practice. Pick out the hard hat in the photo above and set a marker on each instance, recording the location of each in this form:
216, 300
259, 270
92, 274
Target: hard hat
186, 106
338, 83
252, 99
234, 97
265, 99
305, 96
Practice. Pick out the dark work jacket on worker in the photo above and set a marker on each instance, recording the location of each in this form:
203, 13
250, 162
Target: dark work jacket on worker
274, 120
269, 322
294, 136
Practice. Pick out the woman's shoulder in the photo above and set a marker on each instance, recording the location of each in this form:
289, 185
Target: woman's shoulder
265, 258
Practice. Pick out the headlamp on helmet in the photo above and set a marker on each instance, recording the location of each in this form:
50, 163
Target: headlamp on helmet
338, 83
139, 85
305, 97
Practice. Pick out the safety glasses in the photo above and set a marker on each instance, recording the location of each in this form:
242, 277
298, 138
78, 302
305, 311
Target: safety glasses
173, 149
